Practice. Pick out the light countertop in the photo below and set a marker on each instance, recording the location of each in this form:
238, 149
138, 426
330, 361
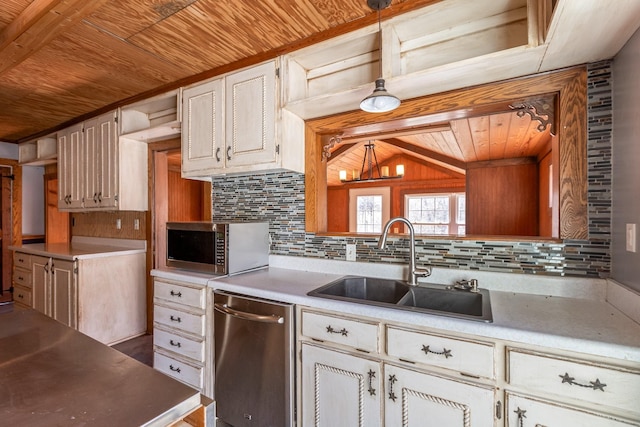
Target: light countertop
574, 324
84, 247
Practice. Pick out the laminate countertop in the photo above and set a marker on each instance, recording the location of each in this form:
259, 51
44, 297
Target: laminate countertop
574, 324
51, 374
83, 248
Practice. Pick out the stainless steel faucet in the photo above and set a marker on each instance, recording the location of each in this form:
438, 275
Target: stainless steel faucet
414, 272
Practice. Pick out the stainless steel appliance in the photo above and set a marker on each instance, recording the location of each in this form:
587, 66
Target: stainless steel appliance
219, 248
254, 361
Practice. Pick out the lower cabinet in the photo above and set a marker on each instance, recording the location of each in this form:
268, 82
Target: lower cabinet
103, 297
183, 333
531, 412
414, 398
340, 389
349, 379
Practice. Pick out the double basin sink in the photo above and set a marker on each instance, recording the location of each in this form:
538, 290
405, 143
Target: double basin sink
431, 299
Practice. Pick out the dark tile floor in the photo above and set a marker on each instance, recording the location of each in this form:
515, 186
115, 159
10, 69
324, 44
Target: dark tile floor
140, 348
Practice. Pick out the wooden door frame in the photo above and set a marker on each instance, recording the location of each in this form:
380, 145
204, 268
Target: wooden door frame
16, 219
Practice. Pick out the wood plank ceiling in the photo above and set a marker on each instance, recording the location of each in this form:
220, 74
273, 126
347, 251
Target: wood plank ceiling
64, 59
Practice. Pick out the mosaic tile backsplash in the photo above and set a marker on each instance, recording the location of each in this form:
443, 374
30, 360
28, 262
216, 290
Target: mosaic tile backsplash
279, 198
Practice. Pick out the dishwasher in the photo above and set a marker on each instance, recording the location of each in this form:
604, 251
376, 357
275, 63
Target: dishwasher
254, 361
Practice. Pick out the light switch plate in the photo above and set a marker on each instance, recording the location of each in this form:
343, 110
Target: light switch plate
631, 237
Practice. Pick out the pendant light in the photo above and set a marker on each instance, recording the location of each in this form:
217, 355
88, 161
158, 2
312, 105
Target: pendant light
380, 101
370, 164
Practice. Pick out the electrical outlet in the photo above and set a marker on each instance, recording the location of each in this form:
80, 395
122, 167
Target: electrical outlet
631, 237
351, 252
136, 224
118, 224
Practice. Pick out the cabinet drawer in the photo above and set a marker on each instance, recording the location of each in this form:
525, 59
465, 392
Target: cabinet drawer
22, 277
577, 379
188, 322
22, 260
469, 357
22, 295
523, 411
193, 349
354, 333
194, 297
191, 375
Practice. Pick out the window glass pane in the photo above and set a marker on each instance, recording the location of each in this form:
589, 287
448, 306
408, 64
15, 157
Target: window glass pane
461, 209
369, 214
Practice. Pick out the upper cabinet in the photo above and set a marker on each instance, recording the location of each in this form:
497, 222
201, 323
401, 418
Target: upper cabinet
153, 119
97, 170
38, 152
235, 124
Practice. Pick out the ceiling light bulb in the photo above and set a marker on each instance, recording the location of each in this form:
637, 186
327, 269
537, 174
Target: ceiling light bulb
380, 101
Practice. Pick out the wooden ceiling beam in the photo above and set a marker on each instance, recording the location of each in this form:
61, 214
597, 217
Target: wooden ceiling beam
37, 25
460, 166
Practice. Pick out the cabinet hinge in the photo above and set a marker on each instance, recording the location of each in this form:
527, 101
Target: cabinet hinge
278, 72
278, 149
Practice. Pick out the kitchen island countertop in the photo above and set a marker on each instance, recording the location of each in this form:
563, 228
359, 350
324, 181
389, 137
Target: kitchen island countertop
53, 375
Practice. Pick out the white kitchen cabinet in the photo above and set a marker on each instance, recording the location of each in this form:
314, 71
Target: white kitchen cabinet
38, 152
429, 379
22, 279
418, 399
54, 289
235, 124
183, 333
103, 297
340, 389
97, 170
70, 168
203, 129
594, 386
532, 412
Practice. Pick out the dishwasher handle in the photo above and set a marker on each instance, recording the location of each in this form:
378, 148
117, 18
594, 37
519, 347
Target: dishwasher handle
224, 308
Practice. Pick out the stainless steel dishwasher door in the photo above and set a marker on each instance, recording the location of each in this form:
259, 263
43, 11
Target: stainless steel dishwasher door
254, 361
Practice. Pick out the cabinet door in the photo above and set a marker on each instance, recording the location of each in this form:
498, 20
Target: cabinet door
71, 165
63, 292
528, 412
202, 129
40, 288
416, 399
100, 155
339, 389
250, 116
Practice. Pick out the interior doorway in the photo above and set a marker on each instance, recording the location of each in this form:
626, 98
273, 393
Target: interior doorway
10, 221
171, 198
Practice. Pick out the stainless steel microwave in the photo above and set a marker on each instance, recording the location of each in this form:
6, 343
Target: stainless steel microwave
219, 248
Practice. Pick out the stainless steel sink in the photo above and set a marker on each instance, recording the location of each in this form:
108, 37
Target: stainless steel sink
432, 299
363, 289
463, 304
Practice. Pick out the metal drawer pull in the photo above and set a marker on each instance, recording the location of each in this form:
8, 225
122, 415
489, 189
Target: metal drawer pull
175, 319
224, 308
218, 154
596, 385
392, 381
176, 294
175, 344
20, 278
20, 296
174, 369
446, 353
372, 375
342, 331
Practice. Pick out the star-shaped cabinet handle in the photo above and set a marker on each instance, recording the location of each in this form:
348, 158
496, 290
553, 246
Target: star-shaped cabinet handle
596, 385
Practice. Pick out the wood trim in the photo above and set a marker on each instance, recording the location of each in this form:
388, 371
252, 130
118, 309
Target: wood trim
568, 85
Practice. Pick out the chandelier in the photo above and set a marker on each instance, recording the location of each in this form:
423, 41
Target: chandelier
370, 161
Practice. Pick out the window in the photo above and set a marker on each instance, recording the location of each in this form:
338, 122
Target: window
368, 209
436, 214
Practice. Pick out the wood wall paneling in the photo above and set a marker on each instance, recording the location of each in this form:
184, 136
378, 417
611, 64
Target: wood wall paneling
502, 200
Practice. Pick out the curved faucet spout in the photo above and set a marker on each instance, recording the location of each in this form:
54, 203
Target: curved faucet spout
413, 272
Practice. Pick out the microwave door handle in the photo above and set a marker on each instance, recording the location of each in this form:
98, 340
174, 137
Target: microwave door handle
224, 308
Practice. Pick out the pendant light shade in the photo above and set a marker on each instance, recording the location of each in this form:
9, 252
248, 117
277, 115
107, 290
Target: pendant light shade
380, 101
